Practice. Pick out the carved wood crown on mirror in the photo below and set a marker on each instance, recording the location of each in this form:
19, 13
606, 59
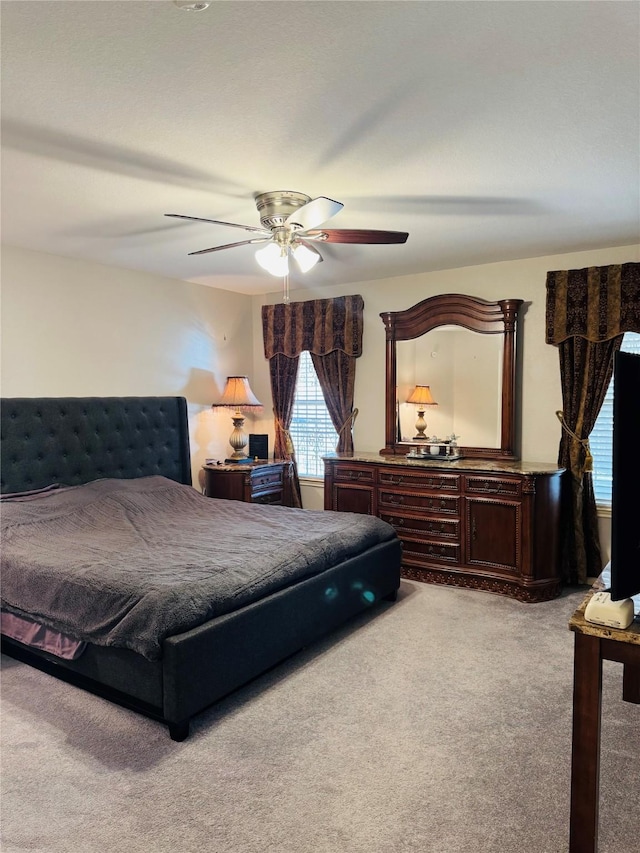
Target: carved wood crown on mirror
468, 312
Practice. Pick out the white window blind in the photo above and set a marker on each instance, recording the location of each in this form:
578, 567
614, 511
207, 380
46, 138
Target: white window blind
312, 432
601, 438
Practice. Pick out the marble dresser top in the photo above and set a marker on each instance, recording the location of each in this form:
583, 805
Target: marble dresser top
495, 466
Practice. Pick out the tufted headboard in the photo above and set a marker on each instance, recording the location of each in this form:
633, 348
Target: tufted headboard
73, 440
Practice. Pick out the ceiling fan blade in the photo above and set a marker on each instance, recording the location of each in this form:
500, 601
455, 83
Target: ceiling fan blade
218, 222
314, 213
341, 235
231, 245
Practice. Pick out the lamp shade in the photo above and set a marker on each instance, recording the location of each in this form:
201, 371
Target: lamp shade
421, 396
306, 257
237, 394
273, 258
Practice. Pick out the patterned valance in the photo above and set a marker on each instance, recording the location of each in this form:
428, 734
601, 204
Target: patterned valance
319, 325
596, 303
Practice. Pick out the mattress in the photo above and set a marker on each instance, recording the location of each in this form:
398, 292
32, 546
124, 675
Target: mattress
128, 563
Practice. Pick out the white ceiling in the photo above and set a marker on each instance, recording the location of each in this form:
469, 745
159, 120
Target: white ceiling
488, 130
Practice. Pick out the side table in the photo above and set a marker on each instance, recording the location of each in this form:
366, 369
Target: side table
593, 644
262, 481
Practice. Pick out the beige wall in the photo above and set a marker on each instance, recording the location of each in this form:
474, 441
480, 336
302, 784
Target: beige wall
72, 328
540, 394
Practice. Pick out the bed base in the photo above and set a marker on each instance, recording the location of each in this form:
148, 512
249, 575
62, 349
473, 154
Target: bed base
203, 665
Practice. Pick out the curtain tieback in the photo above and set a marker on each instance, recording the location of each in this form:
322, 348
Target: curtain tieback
287, 436
349, 422
588, 459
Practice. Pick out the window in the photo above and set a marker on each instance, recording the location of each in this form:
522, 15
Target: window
601, 438
312, 432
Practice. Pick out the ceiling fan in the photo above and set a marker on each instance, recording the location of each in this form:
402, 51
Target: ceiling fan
290, 223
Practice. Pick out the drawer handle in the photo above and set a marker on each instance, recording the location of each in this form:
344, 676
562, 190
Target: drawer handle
357, 475
441, 504
396, 499
494, 488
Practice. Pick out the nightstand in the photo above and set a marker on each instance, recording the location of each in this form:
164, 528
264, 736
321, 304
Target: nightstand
261, 482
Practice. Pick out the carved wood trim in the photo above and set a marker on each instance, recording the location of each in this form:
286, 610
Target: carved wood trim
543, 592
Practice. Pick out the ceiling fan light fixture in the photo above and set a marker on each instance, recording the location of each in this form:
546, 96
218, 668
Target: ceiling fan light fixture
305, 258
273, 259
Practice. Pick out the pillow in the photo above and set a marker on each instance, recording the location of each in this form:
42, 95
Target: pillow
30, 495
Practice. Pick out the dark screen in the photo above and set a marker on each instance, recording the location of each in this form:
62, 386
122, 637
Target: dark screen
625, 495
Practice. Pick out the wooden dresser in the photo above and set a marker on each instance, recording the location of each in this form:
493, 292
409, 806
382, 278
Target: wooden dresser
481, 524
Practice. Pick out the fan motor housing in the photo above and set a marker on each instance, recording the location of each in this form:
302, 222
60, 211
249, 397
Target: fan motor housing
275, 207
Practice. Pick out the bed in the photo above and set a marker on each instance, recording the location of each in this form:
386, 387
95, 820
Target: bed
127, 451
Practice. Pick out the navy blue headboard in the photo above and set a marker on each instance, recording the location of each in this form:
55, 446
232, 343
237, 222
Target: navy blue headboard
73, 440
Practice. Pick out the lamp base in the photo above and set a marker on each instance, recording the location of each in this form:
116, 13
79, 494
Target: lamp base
238, 440
421, 425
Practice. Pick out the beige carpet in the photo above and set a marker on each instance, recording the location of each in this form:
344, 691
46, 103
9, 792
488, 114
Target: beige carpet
439, 723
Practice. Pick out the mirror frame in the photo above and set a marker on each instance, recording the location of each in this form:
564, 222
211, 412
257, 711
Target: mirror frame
470, 312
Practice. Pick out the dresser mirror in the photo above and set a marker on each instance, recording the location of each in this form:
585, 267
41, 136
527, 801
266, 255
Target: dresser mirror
464, 349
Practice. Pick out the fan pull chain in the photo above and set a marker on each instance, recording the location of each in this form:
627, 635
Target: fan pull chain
285, 289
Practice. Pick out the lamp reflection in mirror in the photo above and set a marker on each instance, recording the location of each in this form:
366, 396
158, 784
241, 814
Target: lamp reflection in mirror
421, 398
238, 395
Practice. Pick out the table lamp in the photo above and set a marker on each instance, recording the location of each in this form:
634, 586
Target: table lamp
238, 395
421, 397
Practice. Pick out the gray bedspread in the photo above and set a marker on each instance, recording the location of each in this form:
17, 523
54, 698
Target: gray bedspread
130, 562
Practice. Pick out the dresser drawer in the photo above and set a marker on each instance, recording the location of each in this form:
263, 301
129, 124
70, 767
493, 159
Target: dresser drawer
421, 480
493, 486
420, 552
434, 504
274, 498
432, 528
365, 475
264, 479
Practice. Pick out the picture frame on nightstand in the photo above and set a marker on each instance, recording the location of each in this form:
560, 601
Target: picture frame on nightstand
258, 446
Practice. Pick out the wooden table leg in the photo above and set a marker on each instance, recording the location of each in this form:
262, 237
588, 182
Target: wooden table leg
631, 684
585, 749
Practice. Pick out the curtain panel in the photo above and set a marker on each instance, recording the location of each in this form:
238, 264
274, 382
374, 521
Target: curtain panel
595, 303
283, 373
319, 325
336, 373
587, 313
